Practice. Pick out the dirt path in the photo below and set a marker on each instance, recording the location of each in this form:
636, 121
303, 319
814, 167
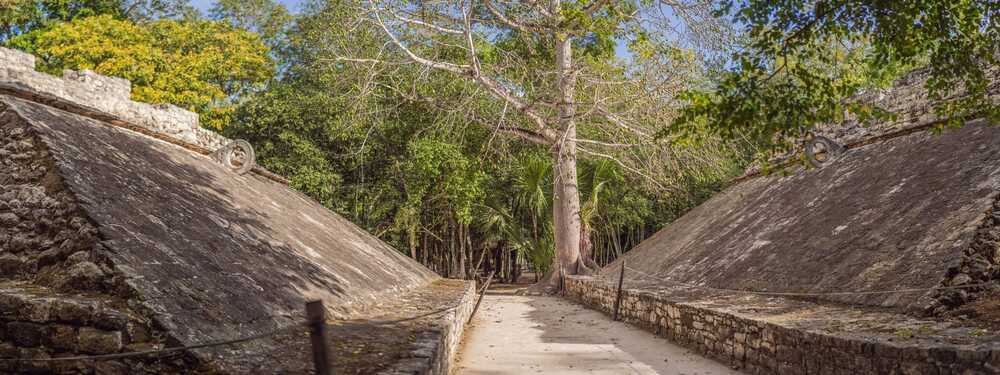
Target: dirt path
549, 335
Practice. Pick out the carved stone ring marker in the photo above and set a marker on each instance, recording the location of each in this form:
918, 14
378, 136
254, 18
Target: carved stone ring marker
238, 156
821, 151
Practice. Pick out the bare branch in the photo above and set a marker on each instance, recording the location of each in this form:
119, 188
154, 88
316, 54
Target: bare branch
424, 24
626, 167
620, 123
498, 14
593, 7
473, 60
608, 144
494, 87
454, 68
540, 137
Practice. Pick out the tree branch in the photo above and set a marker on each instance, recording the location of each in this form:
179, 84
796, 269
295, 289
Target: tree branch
626, 167
607, 144
454, 68
619, 122
509, 22
593, 7
423, 23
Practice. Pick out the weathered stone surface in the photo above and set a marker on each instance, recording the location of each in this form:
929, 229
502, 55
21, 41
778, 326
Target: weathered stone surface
892, 215
107, 94
25, 334
96, 341
73, 311
133, 219
11, 264
16, 60
62, 336
82, 276
197, 219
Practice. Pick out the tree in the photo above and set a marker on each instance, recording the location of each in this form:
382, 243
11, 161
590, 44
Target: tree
551, 71
374, 142
804, 60
267, 18
199, 65
19, 17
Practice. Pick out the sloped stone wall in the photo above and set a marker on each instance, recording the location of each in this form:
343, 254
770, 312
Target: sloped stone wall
58, 296
41, 224
896, 214
198, 251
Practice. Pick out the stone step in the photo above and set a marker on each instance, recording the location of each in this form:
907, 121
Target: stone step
39, 317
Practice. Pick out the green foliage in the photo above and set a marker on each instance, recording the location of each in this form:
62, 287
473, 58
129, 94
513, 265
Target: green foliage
19, 17
802, 59
196, 64
438, 170
267, 18
392, 146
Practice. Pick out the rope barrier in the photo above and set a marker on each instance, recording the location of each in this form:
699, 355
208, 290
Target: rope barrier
807, 294
415, 317
159, 351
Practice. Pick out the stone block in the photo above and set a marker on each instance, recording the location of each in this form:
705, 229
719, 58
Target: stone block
917, 368
110, 319
81, 276
11, 264
16, 60
24, 334
96, 341
62, 337
97, 84
68, 310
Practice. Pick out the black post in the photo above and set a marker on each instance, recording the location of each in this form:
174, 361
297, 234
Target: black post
618, 298
316, 317
482, 293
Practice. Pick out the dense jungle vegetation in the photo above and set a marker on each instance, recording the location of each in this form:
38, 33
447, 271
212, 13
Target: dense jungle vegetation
441, 126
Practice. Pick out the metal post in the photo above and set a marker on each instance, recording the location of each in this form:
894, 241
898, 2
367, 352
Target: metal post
316, 317
618, 298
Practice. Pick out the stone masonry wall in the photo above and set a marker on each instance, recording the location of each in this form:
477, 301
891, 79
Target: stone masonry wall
438, 348
41, 225
57, 296
454, 328
760, 347
109, 95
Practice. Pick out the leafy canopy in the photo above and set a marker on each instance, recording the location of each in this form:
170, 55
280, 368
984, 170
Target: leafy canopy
803, 58
19, 17
199, 65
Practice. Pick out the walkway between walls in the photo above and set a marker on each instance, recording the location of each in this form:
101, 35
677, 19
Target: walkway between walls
549, 335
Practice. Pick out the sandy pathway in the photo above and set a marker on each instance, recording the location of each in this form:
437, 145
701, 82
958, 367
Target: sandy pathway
549, 335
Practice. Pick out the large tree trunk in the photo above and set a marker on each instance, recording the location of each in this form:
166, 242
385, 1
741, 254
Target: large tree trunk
566, 195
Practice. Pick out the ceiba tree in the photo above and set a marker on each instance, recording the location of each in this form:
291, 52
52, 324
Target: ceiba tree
553, 70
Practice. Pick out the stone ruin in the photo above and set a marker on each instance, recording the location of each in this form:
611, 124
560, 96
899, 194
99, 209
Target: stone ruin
118, 233
883, 260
